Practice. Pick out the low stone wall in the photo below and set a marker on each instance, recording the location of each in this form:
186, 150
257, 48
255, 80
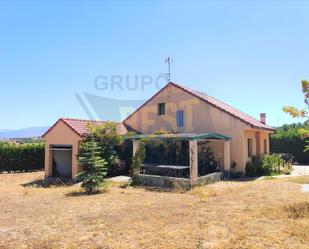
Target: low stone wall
173, 182
210, 178
160, 181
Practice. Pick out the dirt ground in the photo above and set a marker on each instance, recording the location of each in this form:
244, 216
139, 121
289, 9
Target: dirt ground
270, 213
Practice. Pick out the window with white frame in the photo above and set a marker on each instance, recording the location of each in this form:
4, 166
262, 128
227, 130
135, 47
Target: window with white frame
180, 118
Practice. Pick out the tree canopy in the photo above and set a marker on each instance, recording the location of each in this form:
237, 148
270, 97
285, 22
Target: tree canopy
301, 113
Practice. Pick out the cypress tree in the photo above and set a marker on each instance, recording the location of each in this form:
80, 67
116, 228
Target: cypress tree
94, 167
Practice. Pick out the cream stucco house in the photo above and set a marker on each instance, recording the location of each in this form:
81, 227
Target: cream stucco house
183, 114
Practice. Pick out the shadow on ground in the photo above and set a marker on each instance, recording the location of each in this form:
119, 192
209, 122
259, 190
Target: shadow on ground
79, 193
41, 183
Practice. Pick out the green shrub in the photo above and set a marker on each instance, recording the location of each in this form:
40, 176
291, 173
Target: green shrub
270, 165
21, 157
108, 139
251, 169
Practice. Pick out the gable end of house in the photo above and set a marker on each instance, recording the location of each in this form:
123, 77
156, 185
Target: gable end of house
203, 97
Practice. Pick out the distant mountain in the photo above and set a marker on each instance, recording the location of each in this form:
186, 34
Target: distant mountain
23, 133
2, 130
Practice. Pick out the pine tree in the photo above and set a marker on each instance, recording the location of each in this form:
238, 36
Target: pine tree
94, 167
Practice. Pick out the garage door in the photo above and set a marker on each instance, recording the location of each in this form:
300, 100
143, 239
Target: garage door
61, 160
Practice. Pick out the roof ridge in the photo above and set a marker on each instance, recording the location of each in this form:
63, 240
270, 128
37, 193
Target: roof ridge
85, 120
79, 125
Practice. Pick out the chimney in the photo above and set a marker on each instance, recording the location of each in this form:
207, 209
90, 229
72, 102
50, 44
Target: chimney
263, 118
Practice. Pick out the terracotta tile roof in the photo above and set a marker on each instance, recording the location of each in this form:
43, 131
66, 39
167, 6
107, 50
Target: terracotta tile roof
80, 125
225, 107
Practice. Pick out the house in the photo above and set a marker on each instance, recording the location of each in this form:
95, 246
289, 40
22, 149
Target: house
62, 141
184, 115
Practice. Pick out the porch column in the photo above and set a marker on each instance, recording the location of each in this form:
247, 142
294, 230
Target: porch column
193, 151
135, 145
227, 156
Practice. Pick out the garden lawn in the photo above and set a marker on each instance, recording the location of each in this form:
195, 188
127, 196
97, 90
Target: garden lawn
270, 213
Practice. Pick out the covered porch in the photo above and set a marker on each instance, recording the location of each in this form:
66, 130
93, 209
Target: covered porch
191, 170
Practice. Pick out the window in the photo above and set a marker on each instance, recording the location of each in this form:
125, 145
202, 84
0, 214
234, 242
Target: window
180, 118
265, 146
249, 146
161, 108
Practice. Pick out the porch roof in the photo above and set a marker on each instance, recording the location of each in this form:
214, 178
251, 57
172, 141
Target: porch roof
178, 136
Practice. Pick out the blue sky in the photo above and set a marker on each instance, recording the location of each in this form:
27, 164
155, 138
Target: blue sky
250, 55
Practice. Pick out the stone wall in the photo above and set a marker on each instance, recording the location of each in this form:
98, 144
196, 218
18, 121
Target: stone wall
210, 178
173, 182
160, 181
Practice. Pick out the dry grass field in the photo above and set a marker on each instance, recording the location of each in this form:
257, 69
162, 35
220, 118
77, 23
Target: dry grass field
269, 213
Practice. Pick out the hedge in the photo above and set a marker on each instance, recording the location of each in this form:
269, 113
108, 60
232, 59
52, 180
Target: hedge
292, 145
21, 157
288, 140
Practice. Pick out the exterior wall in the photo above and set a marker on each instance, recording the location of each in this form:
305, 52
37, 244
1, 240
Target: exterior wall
265, 135
61, 134
249, 134
199, 117
258, 143
257, 137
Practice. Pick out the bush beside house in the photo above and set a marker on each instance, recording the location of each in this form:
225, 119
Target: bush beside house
270, 165
112, 150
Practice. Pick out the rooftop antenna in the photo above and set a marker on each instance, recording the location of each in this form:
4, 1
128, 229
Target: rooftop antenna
169, 61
